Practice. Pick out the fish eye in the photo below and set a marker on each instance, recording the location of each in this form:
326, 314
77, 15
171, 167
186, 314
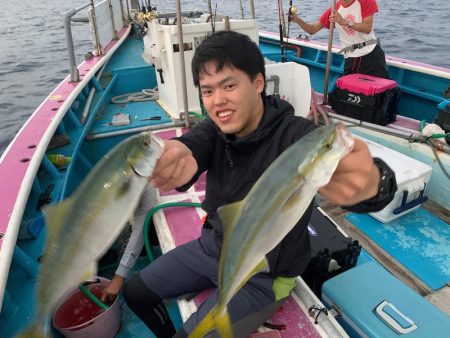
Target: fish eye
146, 141
327, 145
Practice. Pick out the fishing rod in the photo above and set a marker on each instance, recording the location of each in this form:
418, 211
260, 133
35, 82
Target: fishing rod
281, 21
213, 19
252, 10
289, 17
292, 10
241, 7
329, 53
209, 7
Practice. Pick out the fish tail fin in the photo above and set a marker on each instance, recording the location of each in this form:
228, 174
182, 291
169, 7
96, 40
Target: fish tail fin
224, 327
217, 319
36, 330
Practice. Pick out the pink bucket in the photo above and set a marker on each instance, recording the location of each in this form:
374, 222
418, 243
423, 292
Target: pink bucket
77, 316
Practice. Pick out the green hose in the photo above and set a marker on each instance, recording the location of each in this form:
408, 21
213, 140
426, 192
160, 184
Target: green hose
148, 219
422, 125
200, 117
92, 297
151, 258
440, 135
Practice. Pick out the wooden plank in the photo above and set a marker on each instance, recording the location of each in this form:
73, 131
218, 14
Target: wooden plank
437, 210
441, 298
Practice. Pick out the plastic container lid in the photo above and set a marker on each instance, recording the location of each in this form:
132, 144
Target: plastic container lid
365, 84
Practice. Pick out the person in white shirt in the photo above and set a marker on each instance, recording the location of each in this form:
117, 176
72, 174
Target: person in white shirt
134, 246
354, 21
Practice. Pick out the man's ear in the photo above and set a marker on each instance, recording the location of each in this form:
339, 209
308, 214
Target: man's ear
259, 83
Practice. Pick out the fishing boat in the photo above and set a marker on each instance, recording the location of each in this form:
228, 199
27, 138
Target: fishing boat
138, 79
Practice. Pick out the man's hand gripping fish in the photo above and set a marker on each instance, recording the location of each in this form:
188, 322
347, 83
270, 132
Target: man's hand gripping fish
255, 225
83, 226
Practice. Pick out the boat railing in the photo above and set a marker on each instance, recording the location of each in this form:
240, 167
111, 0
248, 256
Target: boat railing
241, 8
104, 22
68, 19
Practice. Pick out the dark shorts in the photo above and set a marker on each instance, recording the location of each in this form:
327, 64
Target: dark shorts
373, 64
193, 267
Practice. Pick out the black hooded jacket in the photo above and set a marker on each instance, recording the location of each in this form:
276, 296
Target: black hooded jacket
234, 165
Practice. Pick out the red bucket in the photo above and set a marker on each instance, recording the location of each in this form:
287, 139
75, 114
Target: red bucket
78, 316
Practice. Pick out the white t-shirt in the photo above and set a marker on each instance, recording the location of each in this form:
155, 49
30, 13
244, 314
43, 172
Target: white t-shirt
136, 240
356, 11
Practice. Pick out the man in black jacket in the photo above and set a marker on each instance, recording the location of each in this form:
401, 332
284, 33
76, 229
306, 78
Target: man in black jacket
246, 131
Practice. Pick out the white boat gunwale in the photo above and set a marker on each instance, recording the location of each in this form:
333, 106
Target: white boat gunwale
390, 60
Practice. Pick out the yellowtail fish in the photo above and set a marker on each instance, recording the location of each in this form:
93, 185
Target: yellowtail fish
276, 202
83, 226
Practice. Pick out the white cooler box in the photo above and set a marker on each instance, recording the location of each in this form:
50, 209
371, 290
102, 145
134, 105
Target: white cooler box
291, 81
412, 179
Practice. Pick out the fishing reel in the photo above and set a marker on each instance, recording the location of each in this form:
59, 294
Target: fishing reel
142, 28
141, 20
292, 10
142, 17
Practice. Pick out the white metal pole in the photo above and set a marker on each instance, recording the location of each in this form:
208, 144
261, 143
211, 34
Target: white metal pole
183, 68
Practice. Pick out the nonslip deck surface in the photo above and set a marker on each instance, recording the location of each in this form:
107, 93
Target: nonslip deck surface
139, 114
418, 240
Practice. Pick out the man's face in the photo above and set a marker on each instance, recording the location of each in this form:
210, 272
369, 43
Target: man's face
231, 99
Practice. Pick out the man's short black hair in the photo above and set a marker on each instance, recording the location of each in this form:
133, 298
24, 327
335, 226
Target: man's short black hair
229, 48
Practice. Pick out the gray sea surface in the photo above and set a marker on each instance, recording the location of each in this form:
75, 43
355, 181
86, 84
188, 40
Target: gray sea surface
34, 59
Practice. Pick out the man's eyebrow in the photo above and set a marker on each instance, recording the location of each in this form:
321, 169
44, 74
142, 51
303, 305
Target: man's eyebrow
221, 82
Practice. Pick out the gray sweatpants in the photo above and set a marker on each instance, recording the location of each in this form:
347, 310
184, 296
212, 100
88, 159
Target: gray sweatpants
193, 267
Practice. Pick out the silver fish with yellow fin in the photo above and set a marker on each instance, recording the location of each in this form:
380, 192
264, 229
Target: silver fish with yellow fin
83, 226
276, 202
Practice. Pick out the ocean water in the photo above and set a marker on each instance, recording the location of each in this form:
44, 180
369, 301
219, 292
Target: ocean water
34, 59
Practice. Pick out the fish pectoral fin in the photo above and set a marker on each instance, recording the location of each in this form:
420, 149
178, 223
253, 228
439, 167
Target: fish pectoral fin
55, 216
37, 330
228, 214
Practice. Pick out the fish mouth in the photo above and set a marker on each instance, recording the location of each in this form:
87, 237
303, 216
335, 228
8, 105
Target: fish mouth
344, 137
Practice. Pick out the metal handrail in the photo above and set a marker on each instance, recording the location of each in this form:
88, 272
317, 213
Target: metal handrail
68, 19
74, 73
252, 10
98, 47
124, 19
111, 13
